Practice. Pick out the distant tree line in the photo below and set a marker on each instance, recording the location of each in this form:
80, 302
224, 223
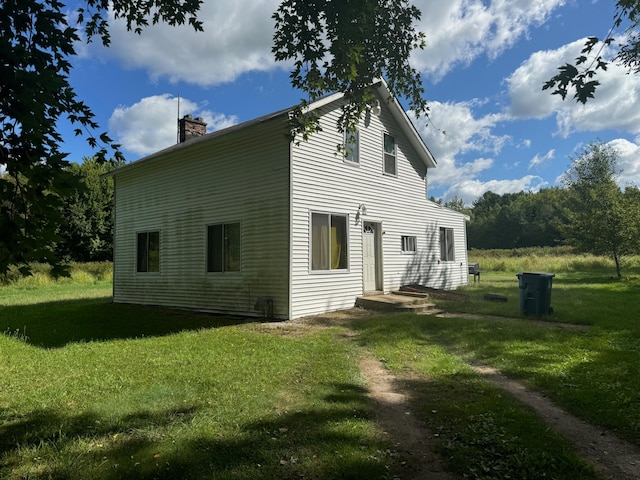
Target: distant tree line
516, 220
81, 225
590, 212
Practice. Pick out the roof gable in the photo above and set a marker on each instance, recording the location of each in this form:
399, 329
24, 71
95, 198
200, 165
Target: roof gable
406, 125
382, 90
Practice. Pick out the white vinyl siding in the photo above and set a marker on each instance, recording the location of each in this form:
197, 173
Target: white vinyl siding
238, 178
252, 176
320, 183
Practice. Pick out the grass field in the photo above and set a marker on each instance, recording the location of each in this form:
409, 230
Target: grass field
90, 389
96, 390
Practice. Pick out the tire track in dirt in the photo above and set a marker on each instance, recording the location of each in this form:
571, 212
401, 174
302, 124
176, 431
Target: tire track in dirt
612, 457
409, 436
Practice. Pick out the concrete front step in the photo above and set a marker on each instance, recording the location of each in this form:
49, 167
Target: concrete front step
411, 294
394, 302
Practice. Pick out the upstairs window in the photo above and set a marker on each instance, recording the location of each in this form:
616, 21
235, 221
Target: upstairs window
328, 242
351, 147
446, 245
223, 247
408, 244
390, 163
148, 252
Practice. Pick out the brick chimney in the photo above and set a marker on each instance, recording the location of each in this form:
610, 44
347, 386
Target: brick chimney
191, 128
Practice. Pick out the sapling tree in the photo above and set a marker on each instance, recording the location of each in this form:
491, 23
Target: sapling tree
601, 218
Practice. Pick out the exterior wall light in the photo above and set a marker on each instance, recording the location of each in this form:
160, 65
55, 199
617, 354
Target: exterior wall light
362, 210
376, 109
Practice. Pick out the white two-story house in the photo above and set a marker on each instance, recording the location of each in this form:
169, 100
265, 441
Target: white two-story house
244, 221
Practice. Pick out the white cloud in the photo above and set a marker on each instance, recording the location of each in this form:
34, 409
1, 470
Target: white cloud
464, 134
459, 31
151, 124
628, 162
237, 38
616, 104
467, 136
470, 190
538, 160
528, 100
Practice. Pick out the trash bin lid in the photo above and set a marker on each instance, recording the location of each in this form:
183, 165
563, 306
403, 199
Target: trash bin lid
542, 274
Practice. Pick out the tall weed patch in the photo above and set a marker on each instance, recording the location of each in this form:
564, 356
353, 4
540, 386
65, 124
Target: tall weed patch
80, 273
546, 259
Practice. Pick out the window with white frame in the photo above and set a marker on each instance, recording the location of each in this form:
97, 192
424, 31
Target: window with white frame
408, 244
148, 252
351, 146
223, 247
328, 242
446, 245
390, 161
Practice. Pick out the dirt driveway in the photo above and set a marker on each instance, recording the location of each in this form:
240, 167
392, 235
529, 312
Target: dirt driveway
612, 458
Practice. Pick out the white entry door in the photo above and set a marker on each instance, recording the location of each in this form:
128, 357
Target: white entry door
370, 257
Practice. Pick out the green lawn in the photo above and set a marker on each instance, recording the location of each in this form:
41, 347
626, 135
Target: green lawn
595, 373
164, 394
90, 389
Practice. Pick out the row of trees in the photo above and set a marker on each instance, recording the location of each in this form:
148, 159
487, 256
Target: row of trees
38, 42
85, 232
591, 212
82, 224
516, 220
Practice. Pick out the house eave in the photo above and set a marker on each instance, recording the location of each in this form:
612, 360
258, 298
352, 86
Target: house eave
450, 210
396, 110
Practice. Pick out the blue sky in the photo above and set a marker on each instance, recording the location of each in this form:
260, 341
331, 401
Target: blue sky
483, 69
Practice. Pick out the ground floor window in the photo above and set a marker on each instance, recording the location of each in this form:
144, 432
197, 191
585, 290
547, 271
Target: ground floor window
148, 252
223, 247
446, 245
328, 242
408, 244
